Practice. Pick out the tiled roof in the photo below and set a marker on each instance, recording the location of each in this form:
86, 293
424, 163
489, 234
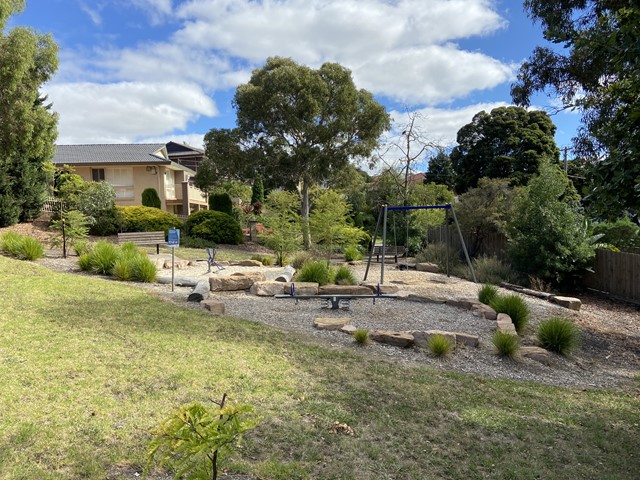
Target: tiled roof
131, 153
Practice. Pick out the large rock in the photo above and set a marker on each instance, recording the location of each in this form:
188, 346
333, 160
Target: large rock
181, 282
467, 339
421, 338
330, 323
343, 290
427, 267
179, 264
424, 299
466, 303
267, 289
249, 263
302, 288
536, 353
397, 339
350, 329
567, 302
384, 289
504, 324
484, 311
216, 307
237, 281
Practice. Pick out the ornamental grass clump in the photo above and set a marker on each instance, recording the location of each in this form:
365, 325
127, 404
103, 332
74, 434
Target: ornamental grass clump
487, 293
317, 271
144, 270
21, 246
103, 257
558, 335
492, 270
126, 263
351, 254
361, 336
507, 345
10, 242
344, 276
439, 345
515, 307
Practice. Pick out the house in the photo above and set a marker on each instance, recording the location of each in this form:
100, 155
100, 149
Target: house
131, 168
185, 155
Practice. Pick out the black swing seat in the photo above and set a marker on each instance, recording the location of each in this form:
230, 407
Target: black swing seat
394, 251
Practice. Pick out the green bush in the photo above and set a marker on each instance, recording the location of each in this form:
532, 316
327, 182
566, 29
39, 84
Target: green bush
144, 270
507, 345
439, 345
81, 246
558, 335
264, 259
344, 276
351, 254
622, 234
221, 202
216, 227
107, 222
492, 270
317, 271
150, 198
187, 241
103, 257
487, 293
514, 306
85, 262
361, 336
123, 268
147, 219
10, 243
126, 262
21, 246
438, 253
300, 258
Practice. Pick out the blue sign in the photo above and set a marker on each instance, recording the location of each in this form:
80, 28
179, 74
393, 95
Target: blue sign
174, 237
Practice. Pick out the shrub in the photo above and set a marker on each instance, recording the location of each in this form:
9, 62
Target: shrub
315, 271
351, 254
144, 270
187, 241
103, 257
85, 262
439, 345
216, 227
492, 270
300, 258
123, 268
438, 253
264, 259
10, 243
344, 276
81, 246
147, 219
221, 202
150, 198
507, 345
515, 307
21, 246
361, 336
107, 222
558, 335
487, 293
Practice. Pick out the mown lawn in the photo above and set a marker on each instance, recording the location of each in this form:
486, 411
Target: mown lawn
89, 366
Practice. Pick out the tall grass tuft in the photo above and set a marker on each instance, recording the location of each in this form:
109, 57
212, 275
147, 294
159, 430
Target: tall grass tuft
30, 249
104, 257
487, 293
438, 253
558, 335
10, 243
317, 271
144, 270
507, 345
344, 276
514, 306
492, 270
439, 345
361, 336
300, 258
123, 268
351, 254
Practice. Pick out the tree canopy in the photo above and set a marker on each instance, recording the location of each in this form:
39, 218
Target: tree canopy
308, 123
508, 142
28, 128
597, 72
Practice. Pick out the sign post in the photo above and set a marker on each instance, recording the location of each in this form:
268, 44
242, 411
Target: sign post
173, 240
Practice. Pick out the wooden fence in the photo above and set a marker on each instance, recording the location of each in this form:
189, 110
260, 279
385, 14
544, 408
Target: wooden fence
492, 245
616, 273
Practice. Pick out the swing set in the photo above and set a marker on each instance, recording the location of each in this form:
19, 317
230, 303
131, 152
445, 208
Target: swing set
381, 250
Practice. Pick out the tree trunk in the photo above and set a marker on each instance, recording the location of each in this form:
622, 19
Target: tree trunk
306, 234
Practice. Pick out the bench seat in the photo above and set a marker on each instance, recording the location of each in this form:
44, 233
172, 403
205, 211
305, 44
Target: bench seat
143, 238
389, 251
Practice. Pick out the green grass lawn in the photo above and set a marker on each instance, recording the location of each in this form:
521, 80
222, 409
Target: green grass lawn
89, 366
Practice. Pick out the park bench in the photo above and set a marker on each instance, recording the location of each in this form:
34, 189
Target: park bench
143, 238
394, 251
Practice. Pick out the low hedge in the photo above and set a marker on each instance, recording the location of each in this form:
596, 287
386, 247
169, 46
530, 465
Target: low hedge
216, 227
147, 219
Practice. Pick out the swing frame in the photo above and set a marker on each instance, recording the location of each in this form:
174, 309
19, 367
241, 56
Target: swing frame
383, 217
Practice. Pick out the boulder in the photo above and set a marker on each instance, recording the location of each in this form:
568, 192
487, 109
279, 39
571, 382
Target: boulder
179, 264
504, 324
181, 282
427, 267
567, 302
343, 290
249, 263
384, 289
237, 281
397, 339
302, 288
421, 339
484, 311
216, 307
330, 323
200, 292
466, 303
536, 353
350, 329
424, 299
267, 289
467, 339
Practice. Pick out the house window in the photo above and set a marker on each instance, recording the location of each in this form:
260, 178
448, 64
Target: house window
170, 185
97, 174
122, 181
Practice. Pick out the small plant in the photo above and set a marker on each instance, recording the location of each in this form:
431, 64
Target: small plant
144, 270
439, 254
507, 345
300, 258
361, 336
492, 270
344, 276
266, 260
21, 246
103, 257
558, 335
317, 271
439, 345
123, 268
10, 243
81, 247
70, 226
195, 436
538, 284
515, 307
351, 254
487, 293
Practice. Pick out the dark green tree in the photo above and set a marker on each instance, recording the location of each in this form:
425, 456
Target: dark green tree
509, 142
441, 170
597, 71
150, 198
308, 123
28, 127
221, 202
257, 191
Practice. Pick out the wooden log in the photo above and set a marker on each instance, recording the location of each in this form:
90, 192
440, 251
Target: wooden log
180, 282
287, 275
200, 292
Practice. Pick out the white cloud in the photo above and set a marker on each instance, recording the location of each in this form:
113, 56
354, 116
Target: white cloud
124, 112
192, 139
92, 13
156, 10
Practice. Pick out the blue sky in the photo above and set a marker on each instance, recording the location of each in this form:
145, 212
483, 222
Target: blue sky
159, 70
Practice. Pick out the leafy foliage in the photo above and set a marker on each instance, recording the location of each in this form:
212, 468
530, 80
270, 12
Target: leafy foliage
221, 202
507, 345
558, 335
126, 262
318, 271
150, 198
194, 435
514, 306
622, 234
28, 127
329, 219
147, 219
344, 276
508, 142
214, 226
548, 234
282, 222
70, 226
439, 345
351, 254
441, 170
492, 270
487, 293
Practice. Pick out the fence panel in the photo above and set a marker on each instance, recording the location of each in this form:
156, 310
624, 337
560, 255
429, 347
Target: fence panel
492, 245
616, 273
